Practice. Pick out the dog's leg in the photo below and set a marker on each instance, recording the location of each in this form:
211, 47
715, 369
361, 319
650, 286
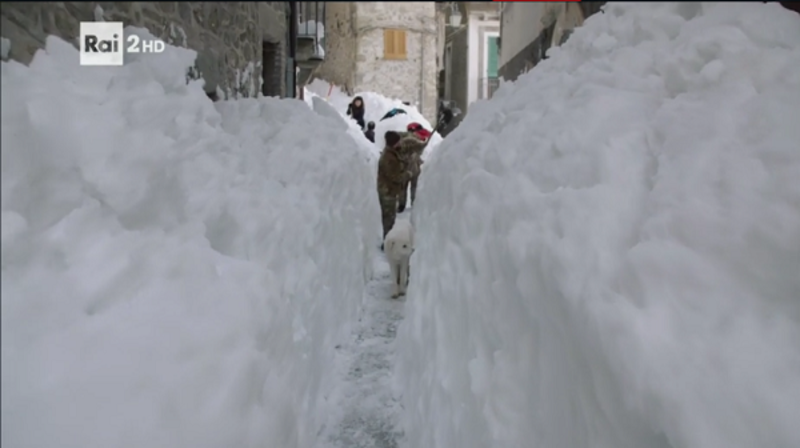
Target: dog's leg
395, 274
403, 277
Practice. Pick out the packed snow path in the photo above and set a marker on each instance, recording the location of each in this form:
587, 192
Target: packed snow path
368, 410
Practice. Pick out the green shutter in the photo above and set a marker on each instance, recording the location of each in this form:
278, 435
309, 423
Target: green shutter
491, 72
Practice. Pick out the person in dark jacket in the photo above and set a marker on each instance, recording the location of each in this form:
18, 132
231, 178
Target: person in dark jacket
370, 132
356, 110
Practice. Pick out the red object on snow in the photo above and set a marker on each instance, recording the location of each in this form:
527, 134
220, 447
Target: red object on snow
419, 131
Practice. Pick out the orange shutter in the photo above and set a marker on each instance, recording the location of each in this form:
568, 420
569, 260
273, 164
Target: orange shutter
394, 44
400, 44
388, 44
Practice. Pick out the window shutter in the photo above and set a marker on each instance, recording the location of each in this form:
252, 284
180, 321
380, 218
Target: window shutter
388, 44
394, 44
492, 58
400, 45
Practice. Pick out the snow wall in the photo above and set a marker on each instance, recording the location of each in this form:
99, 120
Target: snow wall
175, 272
608, 251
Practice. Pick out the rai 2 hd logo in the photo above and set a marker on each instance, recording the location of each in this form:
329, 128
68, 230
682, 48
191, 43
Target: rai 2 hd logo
104, 43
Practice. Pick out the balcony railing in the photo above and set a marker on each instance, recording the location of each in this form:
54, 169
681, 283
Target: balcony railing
487, 86
311, 25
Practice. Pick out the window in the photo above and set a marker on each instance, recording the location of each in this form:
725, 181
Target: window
491, 69
394, 44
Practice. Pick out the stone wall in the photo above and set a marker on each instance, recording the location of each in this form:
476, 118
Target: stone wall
340, 42
412, 80
227, 36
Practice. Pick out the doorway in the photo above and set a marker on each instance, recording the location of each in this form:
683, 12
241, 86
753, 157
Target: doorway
271, 70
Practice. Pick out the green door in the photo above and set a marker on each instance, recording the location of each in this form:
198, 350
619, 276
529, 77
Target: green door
491, 71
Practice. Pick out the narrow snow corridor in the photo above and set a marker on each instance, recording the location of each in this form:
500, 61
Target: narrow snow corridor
368, 411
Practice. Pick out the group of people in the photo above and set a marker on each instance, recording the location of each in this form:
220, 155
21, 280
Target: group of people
356, 111
400, 163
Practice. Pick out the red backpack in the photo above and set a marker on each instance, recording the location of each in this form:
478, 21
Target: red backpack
419, 130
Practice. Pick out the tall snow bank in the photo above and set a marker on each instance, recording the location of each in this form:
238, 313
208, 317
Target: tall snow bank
174, 275
608, 251
375, 107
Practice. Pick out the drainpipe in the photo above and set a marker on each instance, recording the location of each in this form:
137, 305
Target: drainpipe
293, 47
421, 71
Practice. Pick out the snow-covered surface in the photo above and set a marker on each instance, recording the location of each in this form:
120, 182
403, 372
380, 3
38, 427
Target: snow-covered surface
608, 251
367, 412
375, 107
372, 153
176, 272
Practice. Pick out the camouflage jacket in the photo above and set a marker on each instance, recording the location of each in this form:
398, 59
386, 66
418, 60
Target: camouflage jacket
393, 169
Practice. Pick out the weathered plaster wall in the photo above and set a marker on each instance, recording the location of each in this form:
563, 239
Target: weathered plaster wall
400, 79
478, 33
340, 42
569, 17
441, 26
522, 24
520, 52
460, 77
227, 36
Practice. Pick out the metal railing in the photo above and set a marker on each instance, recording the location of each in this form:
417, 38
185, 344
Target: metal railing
311, 25
487, 86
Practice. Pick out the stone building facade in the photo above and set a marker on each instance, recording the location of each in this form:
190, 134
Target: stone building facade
359, 57
339, 67
237, 42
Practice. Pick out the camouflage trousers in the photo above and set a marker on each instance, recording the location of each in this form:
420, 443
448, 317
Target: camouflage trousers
387, 197
403, 198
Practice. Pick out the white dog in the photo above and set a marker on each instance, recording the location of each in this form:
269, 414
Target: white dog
399, 245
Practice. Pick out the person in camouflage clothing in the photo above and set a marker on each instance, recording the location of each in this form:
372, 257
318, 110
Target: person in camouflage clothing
393, 174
